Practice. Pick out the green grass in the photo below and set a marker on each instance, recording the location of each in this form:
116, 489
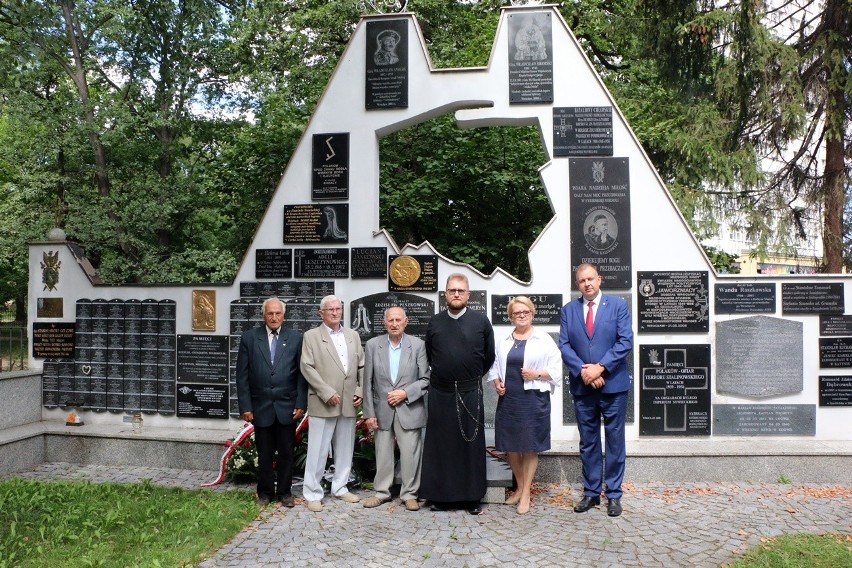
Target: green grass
799, 550
104, 524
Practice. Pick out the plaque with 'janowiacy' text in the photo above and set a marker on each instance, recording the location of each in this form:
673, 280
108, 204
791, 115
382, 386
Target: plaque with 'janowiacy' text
834, 325
745, 298
812, 298
582, 131
308, 223
53, 340
330, 166
764, 419
369, 262
547, 308
835, 391
530, 58
202, 358
674, 391
367, 314
600, 218
413, 273
835, 352
673, 302
273, 263
386, 84
321, 263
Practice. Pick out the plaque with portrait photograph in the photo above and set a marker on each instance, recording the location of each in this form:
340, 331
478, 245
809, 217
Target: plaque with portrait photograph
330, 166
386, 84
530, 58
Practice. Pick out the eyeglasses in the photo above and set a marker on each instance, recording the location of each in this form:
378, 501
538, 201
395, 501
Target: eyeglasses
332, 310
456, 291
521, 314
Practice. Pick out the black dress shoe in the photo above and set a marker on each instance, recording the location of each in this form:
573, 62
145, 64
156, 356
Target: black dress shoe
586, 504
475, 509
613, 508
262, 500
288, 501
437, 507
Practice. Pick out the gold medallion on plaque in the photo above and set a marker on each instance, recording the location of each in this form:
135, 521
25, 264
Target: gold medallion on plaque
404, 271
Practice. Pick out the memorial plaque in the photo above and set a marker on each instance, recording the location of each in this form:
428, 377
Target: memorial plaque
759, 357
386, 84
273, 263
812, 298
582, 131
322, 223
745, 298
322, 263
202, 358
413, 273
674, 391
600, 218
477, 301
673, 302
835, 352
202, 401
547, 308
834, 325
330, 167
530, 58
835, 391
53, 340
50, 383
49, 307
764, 419
368, 313
203, 312
369, 262
249, 290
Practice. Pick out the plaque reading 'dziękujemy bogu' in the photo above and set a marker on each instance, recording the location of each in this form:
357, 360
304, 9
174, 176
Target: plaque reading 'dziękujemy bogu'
582, 131
600, 218
835, 352
764, 419
530, 58
273, 263
369, 262
321, 263
547, 308
812, 298
835, 391
367, 314
759, 357
670, 302
745, 298
202, 358
674, 391
386, 84
308, 223
330, 165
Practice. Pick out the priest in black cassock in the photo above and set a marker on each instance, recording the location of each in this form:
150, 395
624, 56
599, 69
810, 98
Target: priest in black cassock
460, 348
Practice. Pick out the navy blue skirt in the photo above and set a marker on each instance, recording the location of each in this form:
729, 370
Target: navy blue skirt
522, 420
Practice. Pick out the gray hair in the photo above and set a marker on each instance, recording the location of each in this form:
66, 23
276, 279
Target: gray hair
329, 299
267, 301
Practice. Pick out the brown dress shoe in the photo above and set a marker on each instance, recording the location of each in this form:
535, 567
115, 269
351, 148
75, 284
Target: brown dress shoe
412, 505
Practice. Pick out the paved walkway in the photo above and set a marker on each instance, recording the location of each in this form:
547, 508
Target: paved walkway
664, 524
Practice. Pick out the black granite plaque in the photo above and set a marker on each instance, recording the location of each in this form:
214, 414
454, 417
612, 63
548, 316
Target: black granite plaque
745, 298
582, 131
53, 340
369, 262
835, 391
49, 307
320, 223
834, 325
249, 290
477, 300
413, 273
547, 308
812, 298
671, 302
322, 263
330, 166
202, 401
764, 419
386, 84
50, 383
600, 218
759, 357
202, 358
674, 391
273, 263
367, 314
530, 58
835, 352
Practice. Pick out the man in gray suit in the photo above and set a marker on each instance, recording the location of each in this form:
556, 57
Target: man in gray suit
333, 365
272, 395
396, 376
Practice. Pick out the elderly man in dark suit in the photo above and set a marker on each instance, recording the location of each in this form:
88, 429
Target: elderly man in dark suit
396, 376
595, 338
272, 395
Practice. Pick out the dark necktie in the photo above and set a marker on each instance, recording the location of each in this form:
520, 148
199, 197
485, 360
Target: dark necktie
590, 320
273, 346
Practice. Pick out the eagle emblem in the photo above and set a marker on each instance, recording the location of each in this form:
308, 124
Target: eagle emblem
50, 270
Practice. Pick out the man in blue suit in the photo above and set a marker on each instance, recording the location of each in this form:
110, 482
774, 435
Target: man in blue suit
595, 338
273, 396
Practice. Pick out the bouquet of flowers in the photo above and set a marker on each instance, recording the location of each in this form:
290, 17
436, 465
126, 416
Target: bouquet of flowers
242, 460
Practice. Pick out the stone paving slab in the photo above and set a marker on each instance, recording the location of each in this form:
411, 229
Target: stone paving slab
664, 524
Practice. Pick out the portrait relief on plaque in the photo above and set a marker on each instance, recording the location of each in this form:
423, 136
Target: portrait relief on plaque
404, 271
204, 310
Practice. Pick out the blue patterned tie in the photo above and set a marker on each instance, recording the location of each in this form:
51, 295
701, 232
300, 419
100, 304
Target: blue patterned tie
273, 346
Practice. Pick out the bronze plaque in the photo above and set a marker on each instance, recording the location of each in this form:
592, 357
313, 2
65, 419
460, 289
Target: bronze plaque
49, 307
204, 310
404, 271
413, 273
